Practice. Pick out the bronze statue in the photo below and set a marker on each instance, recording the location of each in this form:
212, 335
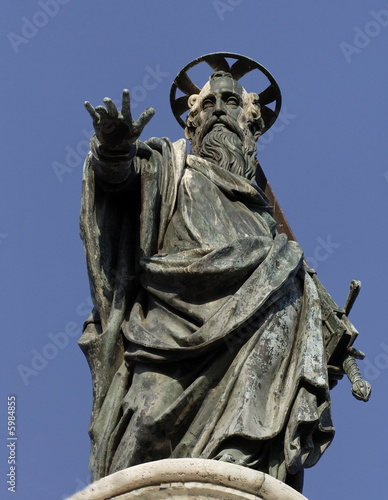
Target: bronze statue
206, 338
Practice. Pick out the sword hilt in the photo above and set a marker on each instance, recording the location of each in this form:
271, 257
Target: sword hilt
361, 389
355, 287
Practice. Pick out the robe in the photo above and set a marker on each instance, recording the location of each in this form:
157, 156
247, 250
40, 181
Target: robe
206, 335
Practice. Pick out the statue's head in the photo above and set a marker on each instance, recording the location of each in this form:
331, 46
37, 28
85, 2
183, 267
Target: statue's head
223, 124
224, 121
223, 100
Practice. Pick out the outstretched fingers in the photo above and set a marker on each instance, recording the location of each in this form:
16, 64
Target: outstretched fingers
106, 117
111, 107
126, 107
144, 118
92, 112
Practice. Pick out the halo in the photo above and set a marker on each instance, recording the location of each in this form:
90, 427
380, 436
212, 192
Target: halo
217, 62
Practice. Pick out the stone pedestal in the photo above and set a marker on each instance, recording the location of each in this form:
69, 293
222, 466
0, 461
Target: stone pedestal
188, 479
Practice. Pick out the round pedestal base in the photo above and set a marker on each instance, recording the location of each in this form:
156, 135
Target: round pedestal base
188, 479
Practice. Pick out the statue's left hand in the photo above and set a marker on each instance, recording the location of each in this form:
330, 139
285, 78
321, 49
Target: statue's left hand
117, 130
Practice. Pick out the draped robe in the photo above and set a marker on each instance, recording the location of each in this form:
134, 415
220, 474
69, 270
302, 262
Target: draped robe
206, 333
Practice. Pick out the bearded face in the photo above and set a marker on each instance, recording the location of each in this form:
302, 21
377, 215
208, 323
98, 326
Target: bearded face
218, 127
230, 147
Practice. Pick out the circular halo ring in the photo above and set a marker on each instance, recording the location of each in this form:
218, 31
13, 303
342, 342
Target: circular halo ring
217, 62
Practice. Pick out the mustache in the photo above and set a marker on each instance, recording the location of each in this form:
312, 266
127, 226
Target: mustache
228, 122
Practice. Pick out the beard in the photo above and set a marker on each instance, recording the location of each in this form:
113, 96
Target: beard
231, 147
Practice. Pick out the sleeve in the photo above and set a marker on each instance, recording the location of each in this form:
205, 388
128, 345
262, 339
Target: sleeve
114, 170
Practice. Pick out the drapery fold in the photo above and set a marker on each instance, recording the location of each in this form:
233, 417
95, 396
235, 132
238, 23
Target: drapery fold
206, 330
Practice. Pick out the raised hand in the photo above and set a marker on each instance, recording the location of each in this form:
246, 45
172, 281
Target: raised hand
117, 130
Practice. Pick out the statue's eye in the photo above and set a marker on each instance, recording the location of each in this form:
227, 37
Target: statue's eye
233, 101
207, 103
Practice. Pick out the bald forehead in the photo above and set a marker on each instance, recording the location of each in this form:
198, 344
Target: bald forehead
225, 84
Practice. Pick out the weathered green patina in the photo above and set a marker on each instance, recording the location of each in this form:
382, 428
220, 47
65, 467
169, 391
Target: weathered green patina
206, 339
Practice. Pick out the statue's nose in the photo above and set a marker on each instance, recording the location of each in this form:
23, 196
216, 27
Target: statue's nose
219, 108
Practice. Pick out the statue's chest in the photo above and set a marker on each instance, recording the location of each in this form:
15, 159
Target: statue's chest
206, 217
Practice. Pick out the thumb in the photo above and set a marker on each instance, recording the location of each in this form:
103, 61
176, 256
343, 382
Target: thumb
144, 118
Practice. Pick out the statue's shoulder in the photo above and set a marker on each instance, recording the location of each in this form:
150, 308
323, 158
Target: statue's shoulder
175, 153
160, 144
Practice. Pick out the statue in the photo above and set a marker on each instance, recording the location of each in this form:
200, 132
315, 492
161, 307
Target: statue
206, 339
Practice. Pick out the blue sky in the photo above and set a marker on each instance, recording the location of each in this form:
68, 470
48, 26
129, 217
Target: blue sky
326, 161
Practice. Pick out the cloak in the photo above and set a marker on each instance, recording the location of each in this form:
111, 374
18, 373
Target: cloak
206, 335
